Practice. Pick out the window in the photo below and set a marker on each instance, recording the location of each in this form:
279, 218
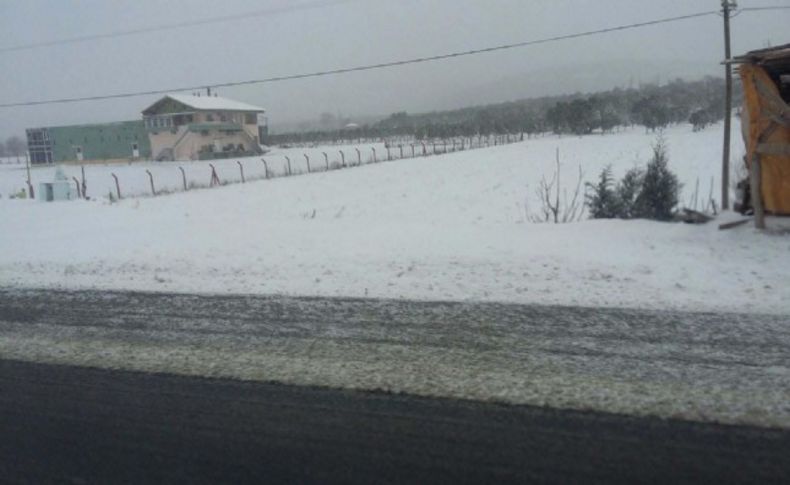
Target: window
250, 118
209, 117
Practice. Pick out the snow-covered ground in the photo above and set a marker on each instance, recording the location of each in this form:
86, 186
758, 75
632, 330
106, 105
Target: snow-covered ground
446, 227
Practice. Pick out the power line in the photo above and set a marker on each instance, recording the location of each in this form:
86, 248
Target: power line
738, 11
181, 25
368, 67
755, 9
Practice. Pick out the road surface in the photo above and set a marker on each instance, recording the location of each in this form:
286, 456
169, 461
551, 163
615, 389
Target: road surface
729, 368
63, 424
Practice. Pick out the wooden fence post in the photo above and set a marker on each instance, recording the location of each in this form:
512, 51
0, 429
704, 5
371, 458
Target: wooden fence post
289, 165
326, 160
265, 168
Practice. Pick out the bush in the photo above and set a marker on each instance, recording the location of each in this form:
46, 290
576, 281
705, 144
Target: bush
647, 194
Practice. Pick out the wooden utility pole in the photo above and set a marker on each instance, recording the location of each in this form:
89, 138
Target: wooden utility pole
726, 7
756, 191
31, 193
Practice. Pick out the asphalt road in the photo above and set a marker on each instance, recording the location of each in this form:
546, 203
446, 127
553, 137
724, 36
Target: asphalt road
64, 424
730, 368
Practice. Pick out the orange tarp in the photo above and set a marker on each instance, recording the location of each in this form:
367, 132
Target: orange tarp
766, 133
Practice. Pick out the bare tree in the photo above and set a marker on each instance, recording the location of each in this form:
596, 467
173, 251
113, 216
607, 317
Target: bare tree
554, 204
15, 147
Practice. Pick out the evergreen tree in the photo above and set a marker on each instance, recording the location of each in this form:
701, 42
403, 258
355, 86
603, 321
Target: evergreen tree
660, 187
628, 190
602, 200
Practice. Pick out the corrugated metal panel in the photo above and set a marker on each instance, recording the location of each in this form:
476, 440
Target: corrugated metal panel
108, 141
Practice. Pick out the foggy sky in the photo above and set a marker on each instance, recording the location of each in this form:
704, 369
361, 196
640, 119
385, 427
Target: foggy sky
352, 33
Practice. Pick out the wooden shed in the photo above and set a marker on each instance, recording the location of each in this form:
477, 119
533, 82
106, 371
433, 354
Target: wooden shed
765, 122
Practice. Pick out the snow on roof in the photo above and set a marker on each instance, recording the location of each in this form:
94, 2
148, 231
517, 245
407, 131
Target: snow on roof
212, 103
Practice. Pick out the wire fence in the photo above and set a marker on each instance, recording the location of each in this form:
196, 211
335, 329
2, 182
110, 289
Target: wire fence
207, 175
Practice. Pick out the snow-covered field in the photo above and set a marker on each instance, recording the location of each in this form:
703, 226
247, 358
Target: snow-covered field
446, 227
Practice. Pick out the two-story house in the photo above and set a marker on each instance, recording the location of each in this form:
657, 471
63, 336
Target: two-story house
195, 127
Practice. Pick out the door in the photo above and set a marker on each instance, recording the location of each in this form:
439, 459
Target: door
135, 150
79, 153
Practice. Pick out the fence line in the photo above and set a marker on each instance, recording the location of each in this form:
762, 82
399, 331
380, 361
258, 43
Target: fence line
395, 151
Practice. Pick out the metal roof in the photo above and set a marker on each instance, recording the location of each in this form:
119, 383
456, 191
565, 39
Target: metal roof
209, 103
772, 58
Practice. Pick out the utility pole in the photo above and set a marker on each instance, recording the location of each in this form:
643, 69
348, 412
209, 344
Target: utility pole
726, 8
29, 183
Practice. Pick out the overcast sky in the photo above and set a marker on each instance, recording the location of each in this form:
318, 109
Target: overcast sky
333, 34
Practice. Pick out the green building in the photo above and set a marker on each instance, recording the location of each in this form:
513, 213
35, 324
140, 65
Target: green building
123, 140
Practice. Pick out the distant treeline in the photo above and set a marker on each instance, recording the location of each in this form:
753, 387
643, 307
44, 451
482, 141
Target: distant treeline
700, 103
